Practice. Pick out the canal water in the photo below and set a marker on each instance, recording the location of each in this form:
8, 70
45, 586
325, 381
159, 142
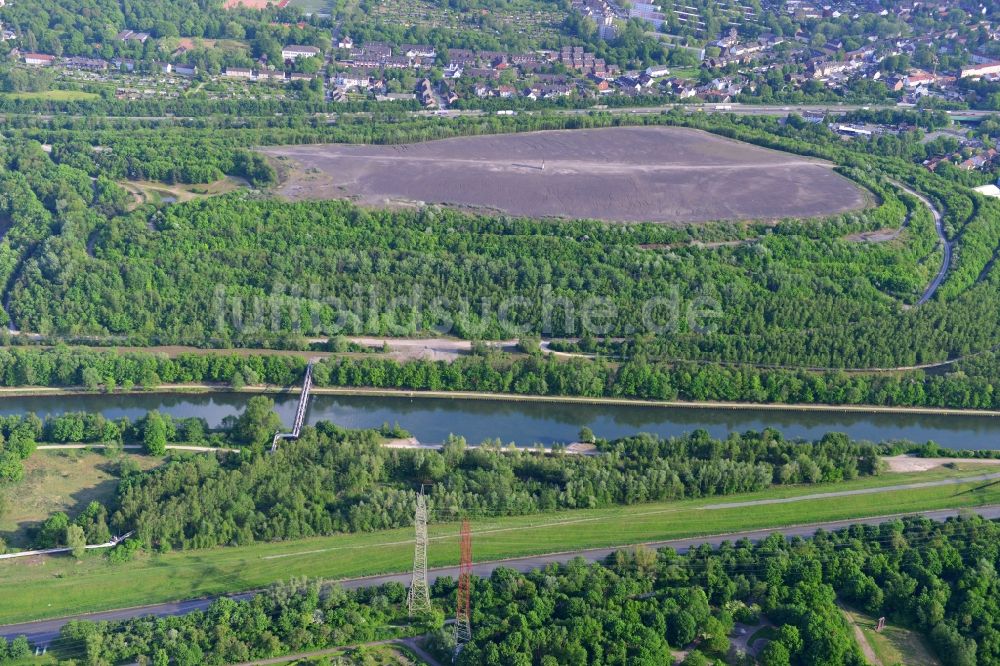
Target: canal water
526, 423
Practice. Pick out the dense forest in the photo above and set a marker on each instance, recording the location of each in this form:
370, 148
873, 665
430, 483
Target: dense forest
110, 370
336, 480
247, 270
939, 579
797, 293
288, 617
966, 385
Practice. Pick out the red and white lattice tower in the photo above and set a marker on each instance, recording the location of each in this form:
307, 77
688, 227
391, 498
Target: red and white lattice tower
463, 618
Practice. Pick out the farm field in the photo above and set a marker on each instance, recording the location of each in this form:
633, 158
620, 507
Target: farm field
92, 584
648, 174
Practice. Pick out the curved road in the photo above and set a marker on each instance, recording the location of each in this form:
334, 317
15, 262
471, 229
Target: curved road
939, 227
43, 632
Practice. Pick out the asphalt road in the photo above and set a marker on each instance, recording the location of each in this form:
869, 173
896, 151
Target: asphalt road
939, 227
44, 632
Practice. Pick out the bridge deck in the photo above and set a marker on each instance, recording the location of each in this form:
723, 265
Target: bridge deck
300, 411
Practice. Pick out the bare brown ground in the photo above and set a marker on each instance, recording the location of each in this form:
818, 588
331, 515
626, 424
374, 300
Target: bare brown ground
877, 236
627, 174
189, 43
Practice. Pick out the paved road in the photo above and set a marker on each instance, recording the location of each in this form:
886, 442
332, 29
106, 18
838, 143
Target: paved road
939, 227
411, 643
993, 476
43, 632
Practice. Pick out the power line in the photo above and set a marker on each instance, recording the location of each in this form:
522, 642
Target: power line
419, 598
463, 606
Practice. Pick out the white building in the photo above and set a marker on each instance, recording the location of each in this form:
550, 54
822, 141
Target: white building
296, 51
38, 59
981, 70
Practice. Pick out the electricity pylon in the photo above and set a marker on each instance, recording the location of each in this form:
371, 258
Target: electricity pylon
419, 598
463, 615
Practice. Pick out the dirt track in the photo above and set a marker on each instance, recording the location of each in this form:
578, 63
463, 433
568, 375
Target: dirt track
633, 174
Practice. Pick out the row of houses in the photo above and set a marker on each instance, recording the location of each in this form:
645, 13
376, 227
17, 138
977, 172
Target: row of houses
575, 57
385, 56
80, 63
533, 91
983, 160
247, 74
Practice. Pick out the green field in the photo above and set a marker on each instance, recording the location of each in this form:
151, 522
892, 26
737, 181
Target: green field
55, 95
67, 586
894, 644
313, 6
58, 481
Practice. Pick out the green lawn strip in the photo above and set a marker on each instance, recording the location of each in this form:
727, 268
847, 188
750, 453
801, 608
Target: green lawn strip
56, 586
312, 6
55, 95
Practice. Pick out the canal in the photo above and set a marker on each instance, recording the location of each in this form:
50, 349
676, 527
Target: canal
527, 423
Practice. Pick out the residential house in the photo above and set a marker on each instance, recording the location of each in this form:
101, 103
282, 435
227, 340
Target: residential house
39, 59
89, 64
418, 51
395, 62
132, 36
352, 78
376, 49
462, 57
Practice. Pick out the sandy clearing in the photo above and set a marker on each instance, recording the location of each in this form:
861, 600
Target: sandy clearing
625, 174
877, 236
433, 349
908, 463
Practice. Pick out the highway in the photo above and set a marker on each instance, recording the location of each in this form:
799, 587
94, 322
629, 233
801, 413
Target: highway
43, 632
